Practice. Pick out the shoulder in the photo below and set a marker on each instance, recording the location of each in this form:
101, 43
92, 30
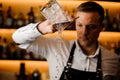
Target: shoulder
110, 61
107, 53
72, 42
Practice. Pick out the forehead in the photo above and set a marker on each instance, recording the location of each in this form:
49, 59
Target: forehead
88, 16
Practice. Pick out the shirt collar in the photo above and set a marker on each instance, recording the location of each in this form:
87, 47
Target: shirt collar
83, 55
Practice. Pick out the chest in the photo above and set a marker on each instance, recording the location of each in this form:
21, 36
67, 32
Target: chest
70, 74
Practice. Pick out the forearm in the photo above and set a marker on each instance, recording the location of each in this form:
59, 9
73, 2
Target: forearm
26, 34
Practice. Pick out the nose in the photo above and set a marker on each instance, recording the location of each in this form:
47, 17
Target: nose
85, 30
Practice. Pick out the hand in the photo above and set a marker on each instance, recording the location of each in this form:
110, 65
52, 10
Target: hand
46, 27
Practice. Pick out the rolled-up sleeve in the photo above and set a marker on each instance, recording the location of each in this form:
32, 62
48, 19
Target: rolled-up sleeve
24, 35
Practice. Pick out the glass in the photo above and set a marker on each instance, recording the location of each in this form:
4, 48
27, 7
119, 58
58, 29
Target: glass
56, 15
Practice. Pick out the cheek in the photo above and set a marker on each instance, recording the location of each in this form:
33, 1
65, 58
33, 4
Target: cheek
78, 29
95, 35
79, 32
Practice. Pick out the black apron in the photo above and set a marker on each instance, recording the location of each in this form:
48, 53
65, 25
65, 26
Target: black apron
74, 74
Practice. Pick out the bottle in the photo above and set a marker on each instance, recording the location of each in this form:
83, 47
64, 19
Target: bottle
117, 49
9, 18
106, 21
36, 75
17, 54
14, 20
22, 75
31, 16
1, 47
114, 24
20, 20
118, 21
13, 50
1, 16
6, 50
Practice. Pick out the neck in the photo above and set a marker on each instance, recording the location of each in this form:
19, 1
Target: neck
89, 50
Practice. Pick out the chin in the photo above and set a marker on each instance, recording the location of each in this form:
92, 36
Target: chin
83, 43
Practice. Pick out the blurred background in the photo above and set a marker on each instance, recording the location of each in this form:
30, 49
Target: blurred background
20, 64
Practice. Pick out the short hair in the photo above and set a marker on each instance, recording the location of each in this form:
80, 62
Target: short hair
91, 6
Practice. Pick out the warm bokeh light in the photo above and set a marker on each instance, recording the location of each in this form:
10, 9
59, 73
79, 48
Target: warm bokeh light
23, 6
105, 38
30, 66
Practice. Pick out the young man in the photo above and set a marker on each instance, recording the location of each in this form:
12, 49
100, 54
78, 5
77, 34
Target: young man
80, 59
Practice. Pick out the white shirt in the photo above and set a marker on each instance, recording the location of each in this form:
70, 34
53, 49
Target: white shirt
57, 53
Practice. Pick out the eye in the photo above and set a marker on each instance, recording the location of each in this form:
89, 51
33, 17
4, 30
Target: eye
91, 27
80, 25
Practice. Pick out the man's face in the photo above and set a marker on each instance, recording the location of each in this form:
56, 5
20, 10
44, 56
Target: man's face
88, 28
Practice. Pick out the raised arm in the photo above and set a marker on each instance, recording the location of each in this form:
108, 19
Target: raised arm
24, 35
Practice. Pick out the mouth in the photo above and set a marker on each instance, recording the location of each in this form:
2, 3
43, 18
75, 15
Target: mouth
84, 38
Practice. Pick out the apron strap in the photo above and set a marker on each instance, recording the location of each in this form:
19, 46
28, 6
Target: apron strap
66, 70
69, 64
99, 75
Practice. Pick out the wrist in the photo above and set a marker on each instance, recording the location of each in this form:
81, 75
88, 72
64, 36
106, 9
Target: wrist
45, 27
38, 28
